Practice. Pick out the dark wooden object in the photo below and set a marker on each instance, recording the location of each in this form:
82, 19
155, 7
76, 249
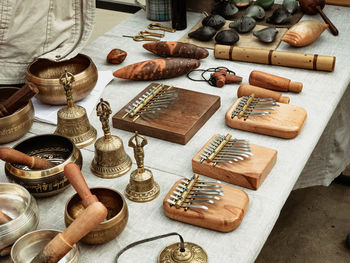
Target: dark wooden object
179, 122
312, 7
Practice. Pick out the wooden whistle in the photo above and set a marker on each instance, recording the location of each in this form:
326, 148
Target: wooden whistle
221, 78
247, 90
18, 99
76, 178
10, 155
63, 242
273, 82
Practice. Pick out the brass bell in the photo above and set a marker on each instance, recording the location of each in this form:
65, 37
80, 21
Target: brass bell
72, 121
110, 158
142, 187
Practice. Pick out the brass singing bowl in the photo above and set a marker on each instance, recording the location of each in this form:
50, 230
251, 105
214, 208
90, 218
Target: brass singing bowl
45, 75
29, 245
17, 203
115, 222
17, 124
41, 183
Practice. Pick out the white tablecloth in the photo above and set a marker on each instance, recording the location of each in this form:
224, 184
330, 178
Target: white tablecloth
321, 97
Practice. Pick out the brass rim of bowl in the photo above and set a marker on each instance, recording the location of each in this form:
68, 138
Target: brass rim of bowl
104, 222
54, 81
37, 174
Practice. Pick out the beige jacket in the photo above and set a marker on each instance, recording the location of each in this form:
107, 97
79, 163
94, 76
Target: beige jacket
52, 29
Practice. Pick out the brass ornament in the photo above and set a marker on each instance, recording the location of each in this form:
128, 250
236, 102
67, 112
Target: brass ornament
142, 187
72, 121
110, 159
192, 254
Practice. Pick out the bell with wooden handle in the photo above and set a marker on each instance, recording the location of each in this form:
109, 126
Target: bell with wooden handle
72, 121
110, 159
141, 187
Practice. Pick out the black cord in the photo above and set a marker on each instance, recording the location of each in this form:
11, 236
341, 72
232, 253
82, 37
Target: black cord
182, 244
211, 81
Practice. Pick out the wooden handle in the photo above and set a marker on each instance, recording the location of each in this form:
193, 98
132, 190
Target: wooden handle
76, 178
4, 218
273, 82
18, 99
332, 27
247, 90
10, 155
62, 243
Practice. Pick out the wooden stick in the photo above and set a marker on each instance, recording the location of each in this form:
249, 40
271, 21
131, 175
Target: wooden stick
247, 90
76, 178
10, 155
62, 243
273, 57
4, 218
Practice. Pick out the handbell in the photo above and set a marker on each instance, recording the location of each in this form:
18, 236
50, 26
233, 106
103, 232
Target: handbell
110, 159
72, 121
141, 187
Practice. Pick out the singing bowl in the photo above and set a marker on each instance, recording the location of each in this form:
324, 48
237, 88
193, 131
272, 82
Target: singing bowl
115, 222
29, 245
41, 183
45, 75
17, 203
17, 124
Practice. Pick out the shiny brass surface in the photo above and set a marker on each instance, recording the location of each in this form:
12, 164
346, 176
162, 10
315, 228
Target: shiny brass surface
72, 120
110, 158
45, 74
17, 124
58, 150
141, 187
16, 203
29, 245
192, 254
115, 222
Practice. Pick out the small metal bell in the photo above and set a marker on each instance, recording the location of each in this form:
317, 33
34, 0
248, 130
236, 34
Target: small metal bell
110, 159
72, 121
142, 187
192, 253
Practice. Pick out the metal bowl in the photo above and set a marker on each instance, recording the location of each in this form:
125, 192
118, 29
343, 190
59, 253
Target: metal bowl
117, 217
17, 124
59, 150
29, 245
17, 203
45, 75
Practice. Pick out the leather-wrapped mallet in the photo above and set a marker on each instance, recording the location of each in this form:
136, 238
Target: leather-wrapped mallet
247, 90
222, 77
75, 177
63, 242
13, 156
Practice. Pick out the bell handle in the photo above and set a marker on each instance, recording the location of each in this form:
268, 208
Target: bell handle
332, 27
76, 178
63, 242
10, 155
4, 218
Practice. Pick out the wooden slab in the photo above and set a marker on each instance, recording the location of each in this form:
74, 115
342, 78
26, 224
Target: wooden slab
249, 173
179, 122
224, 215
286, 121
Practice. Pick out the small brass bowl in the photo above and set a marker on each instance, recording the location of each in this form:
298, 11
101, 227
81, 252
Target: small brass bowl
45, 75
29, 245
117, 217
17, 124
55, 148
17, 203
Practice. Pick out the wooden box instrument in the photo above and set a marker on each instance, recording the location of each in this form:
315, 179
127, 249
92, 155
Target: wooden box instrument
166, 112
266, 116
206, 204
234, 161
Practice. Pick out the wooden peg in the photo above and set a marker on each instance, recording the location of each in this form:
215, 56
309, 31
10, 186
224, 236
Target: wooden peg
222, 77
247, 90
76, 178
10, 155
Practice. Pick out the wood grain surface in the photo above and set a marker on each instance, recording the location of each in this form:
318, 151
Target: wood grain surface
224, 215
338, 2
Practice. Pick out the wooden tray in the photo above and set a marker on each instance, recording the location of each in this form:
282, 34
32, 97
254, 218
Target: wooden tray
224, 215
249, 173
178, 123
286, 121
